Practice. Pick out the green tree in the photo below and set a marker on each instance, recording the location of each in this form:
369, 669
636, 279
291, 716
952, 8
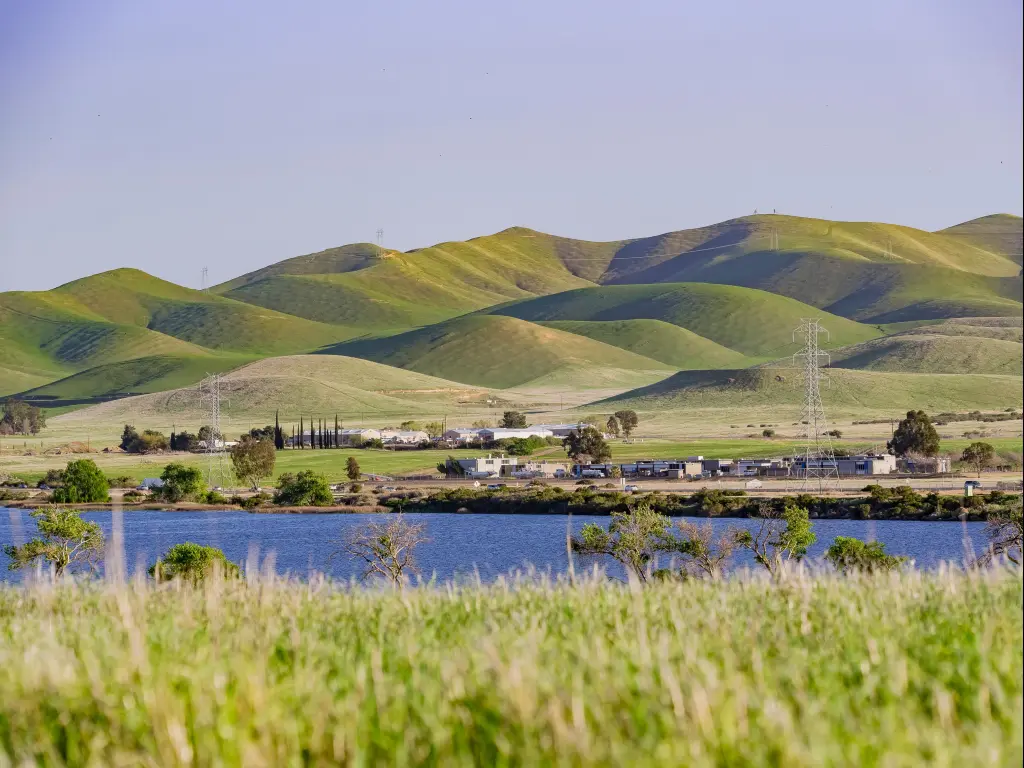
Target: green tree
513, 420
522, 446
612, 426
208, 433
849, 554
768, 433
978, 456
279, 435
253, 459
586, 444
129, 437
634, 538
433, 428
628, 421
21, 418
352, 469
83, 482
65, 540
192, 563
181, 483
782, 535
915, 434
305, 489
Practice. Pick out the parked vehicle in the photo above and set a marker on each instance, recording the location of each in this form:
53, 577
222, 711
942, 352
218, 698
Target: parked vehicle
632, 489
496, 486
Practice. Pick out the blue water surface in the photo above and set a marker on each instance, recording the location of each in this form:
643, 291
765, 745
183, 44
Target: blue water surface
460, 546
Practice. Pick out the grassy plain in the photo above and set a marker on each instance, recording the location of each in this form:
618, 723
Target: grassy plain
907, 669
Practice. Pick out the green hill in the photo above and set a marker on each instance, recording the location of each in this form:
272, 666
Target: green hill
850, 391
657, 340
296, 385
917, 352
865, 271
390, 289
155, 373
999, 233
504, 352
754, 323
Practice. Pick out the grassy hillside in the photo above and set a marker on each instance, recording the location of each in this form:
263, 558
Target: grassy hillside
296, 385
155, 373
752, 322
393, 289
865, 271
999, 233
933, 353
849, 390
503, 352
657, 340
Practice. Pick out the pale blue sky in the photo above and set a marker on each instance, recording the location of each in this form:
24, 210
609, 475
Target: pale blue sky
176, 134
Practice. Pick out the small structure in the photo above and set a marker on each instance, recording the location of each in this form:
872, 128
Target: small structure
404, 436
500, 433
152, 482
461, 435
488, 466
553, 469
356, 437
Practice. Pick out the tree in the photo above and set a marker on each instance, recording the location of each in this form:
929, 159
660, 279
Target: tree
409, 426
586, 443
82, 482
634, 538
129, 437
522, 446
305, 489
253, 460
1005, 529
185, 441
21, 418
433, 428
978, 456
628, 421
352, 468
66, 540
849, 554
914, 433
481, 424
278, 434
208, 433
612, 426
192, 563
451, 468
181, 483
703, 554
768, 433
386, 549
513, 420
261, 433
782, 535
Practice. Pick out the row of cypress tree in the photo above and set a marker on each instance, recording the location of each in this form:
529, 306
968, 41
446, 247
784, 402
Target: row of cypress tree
321, 436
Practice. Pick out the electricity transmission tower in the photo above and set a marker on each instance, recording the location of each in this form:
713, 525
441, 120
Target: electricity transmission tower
209, 398
819, 459
380, 242
206, 275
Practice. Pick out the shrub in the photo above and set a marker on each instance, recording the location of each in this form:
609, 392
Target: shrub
181, 483
193, 563
307, 488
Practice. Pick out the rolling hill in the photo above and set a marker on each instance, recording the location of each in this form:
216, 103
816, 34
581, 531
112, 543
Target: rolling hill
850, 391
655, 339
296, 385
754, 323
503, 352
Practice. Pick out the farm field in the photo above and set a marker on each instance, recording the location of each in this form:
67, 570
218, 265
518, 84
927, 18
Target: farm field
919, 668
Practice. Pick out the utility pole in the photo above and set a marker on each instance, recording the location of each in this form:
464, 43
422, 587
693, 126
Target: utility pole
819, 459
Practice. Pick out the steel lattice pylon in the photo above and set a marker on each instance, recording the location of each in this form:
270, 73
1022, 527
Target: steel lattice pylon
209, 396
820, 467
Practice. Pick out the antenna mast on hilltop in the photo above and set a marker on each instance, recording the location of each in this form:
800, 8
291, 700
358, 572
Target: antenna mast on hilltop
819, 459
209, 397
380, 241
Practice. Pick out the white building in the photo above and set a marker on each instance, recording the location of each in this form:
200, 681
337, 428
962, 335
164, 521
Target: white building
562, 430
488, 466
500, 433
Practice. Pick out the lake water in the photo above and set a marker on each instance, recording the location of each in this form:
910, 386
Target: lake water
459, 546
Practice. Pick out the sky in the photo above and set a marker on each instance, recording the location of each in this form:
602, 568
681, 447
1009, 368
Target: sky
173, 135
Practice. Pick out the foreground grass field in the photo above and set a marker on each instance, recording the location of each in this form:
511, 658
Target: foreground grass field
908, 669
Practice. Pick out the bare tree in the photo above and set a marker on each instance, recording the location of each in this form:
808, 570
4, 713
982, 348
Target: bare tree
1005, 531
386, 549
703, 554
